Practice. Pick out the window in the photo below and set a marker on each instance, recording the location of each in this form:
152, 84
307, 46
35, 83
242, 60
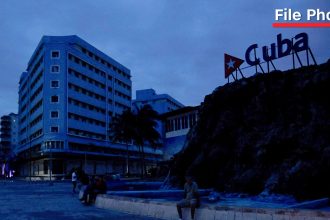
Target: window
54, 84
55, 54
54, 144
54, 114
54, 99
54, 129
55, 68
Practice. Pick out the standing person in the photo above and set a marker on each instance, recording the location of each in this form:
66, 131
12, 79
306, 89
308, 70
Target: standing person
191, 197
74, 181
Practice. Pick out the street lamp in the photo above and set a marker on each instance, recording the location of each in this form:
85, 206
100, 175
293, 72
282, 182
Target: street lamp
30, 167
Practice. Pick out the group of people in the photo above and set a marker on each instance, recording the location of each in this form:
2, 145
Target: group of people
91, 186
97, 185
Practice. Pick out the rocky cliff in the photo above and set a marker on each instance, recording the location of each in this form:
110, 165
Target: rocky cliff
265, 134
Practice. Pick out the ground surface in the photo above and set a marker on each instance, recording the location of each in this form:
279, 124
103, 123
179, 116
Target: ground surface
23, 200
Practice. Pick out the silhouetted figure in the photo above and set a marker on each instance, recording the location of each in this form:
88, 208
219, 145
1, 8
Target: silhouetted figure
83, 178
191, 197
88, 191
96, 186
100, 187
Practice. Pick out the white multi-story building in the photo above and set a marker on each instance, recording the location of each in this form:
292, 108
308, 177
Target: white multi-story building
67, 98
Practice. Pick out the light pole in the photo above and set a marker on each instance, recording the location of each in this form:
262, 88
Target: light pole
50, 165
30, 167
85, 162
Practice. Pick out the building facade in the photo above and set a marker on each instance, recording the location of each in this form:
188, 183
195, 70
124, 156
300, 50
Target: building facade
176, 119
177, 125
9, 132
67, 97
8, 142
161, 103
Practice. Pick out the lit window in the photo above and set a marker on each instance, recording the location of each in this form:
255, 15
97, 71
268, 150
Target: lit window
54, 129
55, 84
54, 114
54, 99
55, 54
55, 69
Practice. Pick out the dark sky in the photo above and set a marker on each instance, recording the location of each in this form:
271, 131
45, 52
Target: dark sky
173, 46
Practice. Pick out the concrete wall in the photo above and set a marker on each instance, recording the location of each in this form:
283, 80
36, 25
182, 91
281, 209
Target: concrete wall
167, 210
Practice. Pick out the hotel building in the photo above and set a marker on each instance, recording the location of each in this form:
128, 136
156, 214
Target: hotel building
67, 98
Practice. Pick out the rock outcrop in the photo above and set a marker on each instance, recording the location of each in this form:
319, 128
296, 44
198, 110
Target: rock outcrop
269, 133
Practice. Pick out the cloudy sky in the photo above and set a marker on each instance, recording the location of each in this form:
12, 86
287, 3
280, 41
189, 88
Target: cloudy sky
173, 46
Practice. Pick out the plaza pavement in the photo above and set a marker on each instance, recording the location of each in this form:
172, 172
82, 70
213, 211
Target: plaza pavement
39, 200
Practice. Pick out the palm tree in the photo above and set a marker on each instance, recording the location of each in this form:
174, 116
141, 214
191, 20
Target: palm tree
146, 132
123, 130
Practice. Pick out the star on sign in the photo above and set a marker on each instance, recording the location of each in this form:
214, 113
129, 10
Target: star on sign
230, 64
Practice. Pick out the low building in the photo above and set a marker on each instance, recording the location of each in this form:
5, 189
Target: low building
176, 119
161, 103
177, 124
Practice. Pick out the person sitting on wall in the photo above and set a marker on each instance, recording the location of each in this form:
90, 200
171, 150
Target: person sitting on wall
191, 197
87, 191
100, 187
97, 186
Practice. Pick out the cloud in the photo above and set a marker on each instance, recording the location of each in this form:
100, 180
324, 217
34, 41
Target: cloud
175, 47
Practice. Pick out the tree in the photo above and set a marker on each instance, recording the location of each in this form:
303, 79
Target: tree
123, 129
140, 128
146, 132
